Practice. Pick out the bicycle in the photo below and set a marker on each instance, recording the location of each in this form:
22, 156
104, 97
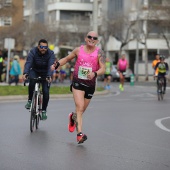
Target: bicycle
36, 104
160, 88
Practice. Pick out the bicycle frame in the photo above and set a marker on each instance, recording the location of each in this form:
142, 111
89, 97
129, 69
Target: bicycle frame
38, 94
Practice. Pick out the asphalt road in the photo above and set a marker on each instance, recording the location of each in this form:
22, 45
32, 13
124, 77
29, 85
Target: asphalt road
127, 130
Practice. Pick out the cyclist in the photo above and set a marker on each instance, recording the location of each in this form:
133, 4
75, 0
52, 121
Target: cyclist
90, 62
38, 63
163, 69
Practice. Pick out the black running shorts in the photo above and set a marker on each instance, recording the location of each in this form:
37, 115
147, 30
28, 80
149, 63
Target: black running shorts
89, 91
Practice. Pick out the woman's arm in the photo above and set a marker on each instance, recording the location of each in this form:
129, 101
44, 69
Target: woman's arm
66, 59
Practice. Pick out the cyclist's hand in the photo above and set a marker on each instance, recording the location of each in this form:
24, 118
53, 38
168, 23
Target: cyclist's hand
49, 79
53, 67
25, 76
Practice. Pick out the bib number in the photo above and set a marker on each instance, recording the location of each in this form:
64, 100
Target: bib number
83, 72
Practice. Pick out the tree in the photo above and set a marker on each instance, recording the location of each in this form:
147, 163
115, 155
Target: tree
120, 28
36, 31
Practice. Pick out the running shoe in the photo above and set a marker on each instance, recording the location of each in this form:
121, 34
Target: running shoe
120, 86
71, 124
108, 87
81, 138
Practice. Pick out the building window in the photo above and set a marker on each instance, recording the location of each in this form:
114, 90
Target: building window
74, 15
153, 2
8, 3
5, 21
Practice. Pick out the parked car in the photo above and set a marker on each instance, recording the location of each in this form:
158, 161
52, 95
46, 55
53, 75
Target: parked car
115, 74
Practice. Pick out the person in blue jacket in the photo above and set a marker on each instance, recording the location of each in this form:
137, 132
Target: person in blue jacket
38, 63
15, 71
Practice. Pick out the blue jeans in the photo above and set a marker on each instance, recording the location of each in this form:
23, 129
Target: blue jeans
45, 88
14, 79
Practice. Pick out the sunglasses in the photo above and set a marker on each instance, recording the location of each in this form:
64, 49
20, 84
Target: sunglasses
90, 37
45, 47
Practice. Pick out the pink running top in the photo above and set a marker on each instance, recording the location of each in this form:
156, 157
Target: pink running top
122, 64
85, 63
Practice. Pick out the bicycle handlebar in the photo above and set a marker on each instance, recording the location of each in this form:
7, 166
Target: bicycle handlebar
38, 79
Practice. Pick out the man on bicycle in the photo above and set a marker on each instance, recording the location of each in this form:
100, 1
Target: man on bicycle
38, 64
163, 69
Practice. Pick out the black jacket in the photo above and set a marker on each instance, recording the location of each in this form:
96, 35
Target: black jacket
39, 63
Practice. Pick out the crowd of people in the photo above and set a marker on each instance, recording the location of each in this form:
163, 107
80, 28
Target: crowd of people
13, 70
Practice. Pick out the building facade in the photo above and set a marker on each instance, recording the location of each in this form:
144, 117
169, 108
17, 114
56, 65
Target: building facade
11, 19
65, 18
148, 18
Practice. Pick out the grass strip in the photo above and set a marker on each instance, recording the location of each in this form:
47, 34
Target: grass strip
23, 90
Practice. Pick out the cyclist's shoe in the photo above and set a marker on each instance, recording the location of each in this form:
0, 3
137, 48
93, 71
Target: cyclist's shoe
44, 115
28, 105
81, 138
71, 124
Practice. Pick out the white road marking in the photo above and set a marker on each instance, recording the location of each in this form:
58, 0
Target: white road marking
160, 125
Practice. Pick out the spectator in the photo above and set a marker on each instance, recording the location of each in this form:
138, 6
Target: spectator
15, 71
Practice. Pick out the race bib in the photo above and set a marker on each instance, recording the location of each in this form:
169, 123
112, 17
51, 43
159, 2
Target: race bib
83, 72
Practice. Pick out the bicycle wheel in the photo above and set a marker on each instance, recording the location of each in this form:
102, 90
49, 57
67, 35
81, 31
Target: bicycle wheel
159, 96
159, 92
38, 117
37, 120
162, 95
33, 113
